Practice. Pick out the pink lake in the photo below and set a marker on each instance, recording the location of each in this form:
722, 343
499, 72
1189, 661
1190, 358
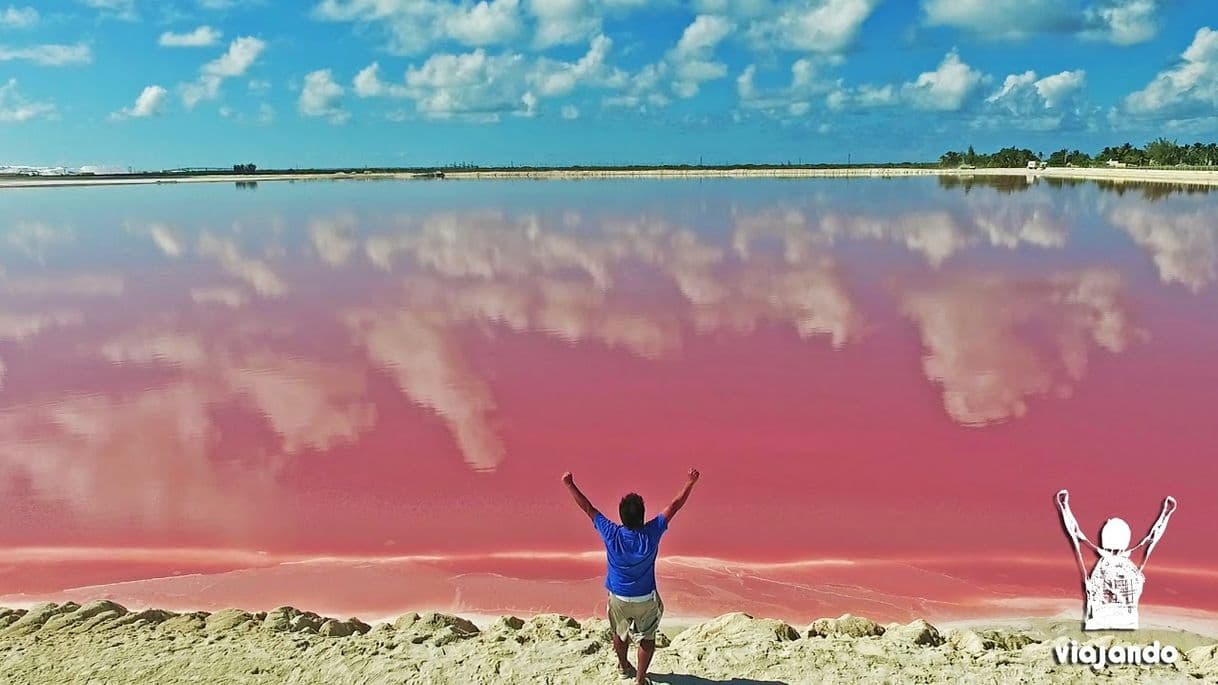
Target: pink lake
358, 397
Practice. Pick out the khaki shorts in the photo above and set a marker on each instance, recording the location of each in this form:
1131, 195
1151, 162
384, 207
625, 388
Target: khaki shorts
640, 618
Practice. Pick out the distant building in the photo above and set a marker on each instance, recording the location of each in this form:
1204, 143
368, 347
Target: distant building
34, 171
1116, 164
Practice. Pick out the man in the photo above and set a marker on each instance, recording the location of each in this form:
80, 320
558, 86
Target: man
630, 549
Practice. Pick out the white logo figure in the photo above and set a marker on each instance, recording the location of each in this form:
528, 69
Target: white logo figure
1115, 584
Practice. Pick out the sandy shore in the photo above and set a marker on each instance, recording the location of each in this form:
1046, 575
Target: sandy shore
1207, 178
103, 642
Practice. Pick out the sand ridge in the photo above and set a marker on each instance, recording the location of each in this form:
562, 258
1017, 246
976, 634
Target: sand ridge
102, 641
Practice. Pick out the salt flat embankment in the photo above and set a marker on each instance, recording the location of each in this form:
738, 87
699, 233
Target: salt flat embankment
1133, 175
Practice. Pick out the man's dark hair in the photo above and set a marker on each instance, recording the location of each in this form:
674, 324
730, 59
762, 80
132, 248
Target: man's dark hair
631, 511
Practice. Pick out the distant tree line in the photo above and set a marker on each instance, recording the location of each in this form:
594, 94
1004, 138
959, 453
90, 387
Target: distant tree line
1160, 152
244, 168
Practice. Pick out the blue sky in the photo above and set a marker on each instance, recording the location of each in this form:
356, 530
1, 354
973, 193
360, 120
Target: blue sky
166, 83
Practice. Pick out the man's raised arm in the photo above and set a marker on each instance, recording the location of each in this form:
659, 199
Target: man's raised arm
679, 502
569, 481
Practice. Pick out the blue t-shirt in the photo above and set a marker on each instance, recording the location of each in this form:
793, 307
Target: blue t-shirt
631, 555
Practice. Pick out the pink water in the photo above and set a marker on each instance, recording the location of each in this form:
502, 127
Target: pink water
358, 398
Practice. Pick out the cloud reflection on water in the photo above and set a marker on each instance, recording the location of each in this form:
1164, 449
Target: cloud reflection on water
644, 285
993, 341
578, 280
1183, 245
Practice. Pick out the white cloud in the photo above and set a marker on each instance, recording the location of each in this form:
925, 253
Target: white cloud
1012, 19
570, 112
118, 9
415, 25
1189, 88
484, 23
691, 61
793, 100
552, 77
15, 108
320, 97
368, 84
226, 4
1058, 88
1123, 22
703, 34
1034, 103
150, 102
821, 26
561, 22
480, 86
947, 88
471, 84
643, 88
18, 17
240, 56
49, 55
201, 37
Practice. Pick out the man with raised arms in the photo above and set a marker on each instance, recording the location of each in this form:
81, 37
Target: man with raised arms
630, 550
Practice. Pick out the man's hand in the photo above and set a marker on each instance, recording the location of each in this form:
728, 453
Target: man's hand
679, 501
569, 481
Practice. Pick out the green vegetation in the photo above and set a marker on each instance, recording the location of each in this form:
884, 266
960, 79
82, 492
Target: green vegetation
1158, 153
1007, 157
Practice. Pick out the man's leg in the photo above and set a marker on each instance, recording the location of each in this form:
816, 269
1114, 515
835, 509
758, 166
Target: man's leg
646, 649
619, 646
618, 624
648, 623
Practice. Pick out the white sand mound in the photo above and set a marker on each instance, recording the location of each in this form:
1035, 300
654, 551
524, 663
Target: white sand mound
104, 642
845, 625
